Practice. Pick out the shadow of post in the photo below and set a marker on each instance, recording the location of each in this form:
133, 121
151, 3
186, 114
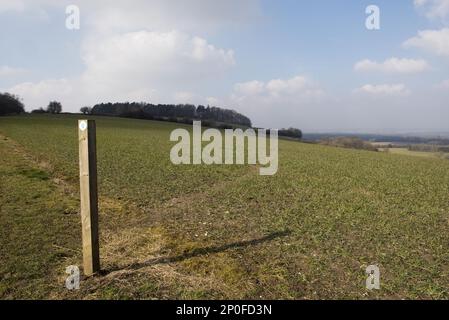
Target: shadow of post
201, 251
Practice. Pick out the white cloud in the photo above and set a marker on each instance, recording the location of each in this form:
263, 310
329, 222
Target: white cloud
213, 101
291, 86
11, 5
145, 53
36, 95
393, 65
188, 16
295, 86
184, 97
161, 61
434, 41
7, 71
419, 3
193, 16
433, 8
250, 88
143, 49
384, 90
277, 102
135, 66
444, 85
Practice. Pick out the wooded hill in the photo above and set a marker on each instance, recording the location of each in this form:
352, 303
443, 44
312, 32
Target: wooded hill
171, 112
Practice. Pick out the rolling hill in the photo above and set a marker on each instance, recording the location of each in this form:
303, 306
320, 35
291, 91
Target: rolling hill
202, 231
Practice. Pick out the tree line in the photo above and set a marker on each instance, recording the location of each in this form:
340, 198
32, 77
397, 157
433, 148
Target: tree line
11, 104
290, 133
171, 112
183, 113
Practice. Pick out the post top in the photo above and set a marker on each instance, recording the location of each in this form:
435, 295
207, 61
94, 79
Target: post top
82, 124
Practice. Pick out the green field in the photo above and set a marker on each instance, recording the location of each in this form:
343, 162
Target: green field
218, 231
406, 151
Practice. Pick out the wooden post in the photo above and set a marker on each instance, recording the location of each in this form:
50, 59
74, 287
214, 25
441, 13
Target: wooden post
89, 198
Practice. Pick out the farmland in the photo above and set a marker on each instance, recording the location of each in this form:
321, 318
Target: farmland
200, 231
406, 151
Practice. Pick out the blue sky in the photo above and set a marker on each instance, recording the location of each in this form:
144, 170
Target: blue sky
308, 64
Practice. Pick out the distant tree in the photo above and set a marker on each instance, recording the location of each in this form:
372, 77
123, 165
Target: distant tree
10, 104
291, 132
40, 110
54, 107
86, 110
200, 109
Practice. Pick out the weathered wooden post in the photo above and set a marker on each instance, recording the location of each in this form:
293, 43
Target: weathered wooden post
89, 197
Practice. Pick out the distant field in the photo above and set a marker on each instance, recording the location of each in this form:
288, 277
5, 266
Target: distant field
406, 151
219, 231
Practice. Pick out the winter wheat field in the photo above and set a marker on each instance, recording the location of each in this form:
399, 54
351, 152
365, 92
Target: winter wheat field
215, 231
